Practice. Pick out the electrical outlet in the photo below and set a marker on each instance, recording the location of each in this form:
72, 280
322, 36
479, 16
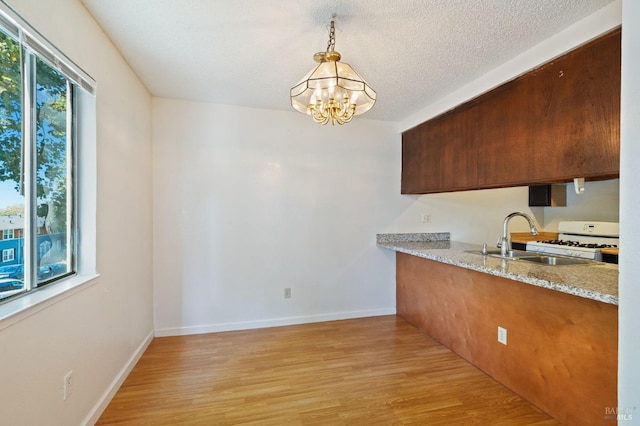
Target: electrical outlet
502, 335
426, 217
287, 293
68, 385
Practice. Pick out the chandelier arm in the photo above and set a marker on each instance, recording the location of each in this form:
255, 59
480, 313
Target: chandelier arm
334, 111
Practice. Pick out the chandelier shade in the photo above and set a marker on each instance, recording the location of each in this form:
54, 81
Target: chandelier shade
332, 91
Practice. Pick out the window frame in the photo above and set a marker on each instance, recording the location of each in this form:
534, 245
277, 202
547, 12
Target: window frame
8, 254
81, 170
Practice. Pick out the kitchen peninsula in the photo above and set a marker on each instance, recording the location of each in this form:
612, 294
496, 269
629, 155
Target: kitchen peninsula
560, 322
597, 280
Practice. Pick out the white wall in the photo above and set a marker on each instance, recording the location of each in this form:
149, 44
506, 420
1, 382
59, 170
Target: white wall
248, 202
600, 201
629, 314
477, 216
94, 332
470, 216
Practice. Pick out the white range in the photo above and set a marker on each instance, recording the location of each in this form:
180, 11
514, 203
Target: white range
580, 239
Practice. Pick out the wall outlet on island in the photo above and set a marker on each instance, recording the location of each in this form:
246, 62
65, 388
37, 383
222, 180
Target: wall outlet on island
502, 335
426, 217
287, 292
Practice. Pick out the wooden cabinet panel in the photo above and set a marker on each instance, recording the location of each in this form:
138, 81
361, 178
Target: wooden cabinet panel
507, 146
425, 151
557, 122
561, 352
413, 176
578, 99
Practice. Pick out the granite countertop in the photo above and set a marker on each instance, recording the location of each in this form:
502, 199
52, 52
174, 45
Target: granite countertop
595, 280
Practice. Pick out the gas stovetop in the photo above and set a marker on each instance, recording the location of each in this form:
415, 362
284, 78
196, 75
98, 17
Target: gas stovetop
578, 244
580, 239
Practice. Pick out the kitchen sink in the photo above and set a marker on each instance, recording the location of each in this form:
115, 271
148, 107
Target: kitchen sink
513, 254
534, 258
553, 260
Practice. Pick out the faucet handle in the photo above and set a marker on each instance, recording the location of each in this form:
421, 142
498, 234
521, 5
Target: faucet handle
499, 243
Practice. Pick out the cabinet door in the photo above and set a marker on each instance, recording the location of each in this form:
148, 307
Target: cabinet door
506, 147
439, 155
555, 123
577, 118
412, 164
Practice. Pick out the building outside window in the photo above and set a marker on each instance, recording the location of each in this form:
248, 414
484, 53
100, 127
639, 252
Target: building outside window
38, 165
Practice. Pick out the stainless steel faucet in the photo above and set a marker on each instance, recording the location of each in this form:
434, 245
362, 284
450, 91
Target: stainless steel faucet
504, 244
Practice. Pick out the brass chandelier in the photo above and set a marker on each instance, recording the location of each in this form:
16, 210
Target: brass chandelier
332, 91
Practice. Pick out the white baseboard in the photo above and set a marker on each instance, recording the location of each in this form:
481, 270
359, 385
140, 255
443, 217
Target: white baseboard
277, 322
102, 403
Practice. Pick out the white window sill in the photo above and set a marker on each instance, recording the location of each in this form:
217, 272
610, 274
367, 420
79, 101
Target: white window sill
25, 306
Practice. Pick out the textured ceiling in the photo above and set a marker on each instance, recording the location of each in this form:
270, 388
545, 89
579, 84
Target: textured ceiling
251, 52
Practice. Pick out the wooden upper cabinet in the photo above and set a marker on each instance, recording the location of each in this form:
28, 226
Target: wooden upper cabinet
552, 124
426, 160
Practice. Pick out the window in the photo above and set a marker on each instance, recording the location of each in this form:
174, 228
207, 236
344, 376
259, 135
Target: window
8, 255
39, 116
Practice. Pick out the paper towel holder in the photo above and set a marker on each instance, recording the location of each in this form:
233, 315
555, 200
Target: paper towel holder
578, 185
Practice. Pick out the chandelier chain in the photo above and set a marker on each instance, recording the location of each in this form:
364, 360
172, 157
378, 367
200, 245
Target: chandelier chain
331, 45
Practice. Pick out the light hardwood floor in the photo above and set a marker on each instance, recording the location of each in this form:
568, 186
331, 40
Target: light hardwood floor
370, 371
